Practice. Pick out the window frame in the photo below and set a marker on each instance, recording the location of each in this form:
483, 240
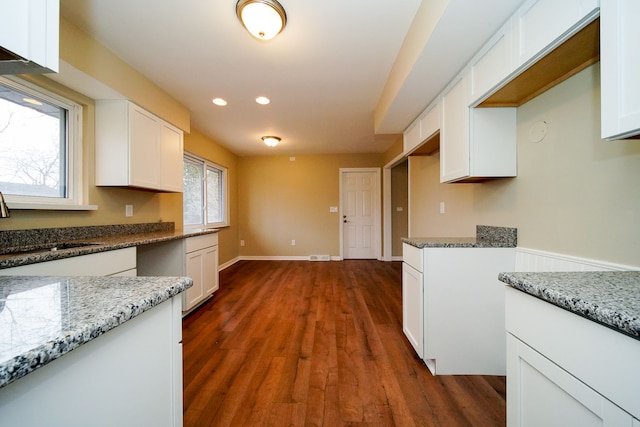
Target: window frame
224, 187
77, 191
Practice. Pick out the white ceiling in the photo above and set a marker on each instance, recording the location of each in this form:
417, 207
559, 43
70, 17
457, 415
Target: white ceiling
324, 73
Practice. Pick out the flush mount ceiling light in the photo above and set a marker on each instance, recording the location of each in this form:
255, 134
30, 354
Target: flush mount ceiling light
271, 141
264, 19
219, 101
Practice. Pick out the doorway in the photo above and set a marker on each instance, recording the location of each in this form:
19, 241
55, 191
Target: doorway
360, 213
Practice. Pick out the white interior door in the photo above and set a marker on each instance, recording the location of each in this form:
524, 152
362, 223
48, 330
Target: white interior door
360, 213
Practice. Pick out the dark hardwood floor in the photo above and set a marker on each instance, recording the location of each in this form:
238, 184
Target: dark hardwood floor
298, 343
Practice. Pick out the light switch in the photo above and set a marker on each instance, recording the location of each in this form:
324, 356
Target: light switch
333, 209
399, 209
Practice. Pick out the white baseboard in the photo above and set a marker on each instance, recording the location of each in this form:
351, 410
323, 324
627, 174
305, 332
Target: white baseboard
535, 260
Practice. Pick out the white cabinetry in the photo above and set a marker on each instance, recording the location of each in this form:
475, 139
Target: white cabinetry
137, 149
491, 65
130, 376
119, 262
475, 143
464, 310
620, 68
30, 29
412, 297
195, 257
541, 25
202, 266
565, 370
423, 128
456, 295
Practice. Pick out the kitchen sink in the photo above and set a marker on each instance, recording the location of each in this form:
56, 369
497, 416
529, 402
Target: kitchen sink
44, 247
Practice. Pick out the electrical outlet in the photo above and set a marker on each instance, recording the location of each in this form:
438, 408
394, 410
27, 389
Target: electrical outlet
293, 243
241, 242
441, 207
128, 210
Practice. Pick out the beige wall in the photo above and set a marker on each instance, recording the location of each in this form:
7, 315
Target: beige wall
282, 200
198, 144
574, 194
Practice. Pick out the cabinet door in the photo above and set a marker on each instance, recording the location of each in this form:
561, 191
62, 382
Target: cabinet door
29, 28
411, 137
620, 68
540, 393
540, 25
144, 160
491, 65
195, 264
210, 271
412, 307
171, 173
454, 134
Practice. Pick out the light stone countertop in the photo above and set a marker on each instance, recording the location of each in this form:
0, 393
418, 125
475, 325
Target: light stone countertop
100, 238
43, 318
486, 237
611, 298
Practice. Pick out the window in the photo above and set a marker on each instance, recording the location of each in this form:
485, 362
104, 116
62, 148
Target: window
39, 158
205, 202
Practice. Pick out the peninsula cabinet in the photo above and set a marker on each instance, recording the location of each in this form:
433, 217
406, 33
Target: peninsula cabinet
195, 257
475, 143
620, 68
565, 370
134, 148
30, 30
119, 262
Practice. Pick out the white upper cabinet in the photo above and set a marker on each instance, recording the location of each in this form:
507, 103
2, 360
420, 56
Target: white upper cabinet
423, 128
29, 29
134, 148
541, 25
475, 143
620, 68
491, 65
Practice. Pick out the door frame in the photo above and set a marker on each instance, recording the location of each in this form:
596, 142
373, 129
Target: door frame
376, 210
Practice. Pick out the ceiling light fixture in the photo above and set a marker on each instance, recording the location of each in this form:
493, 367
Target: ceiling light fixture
264, 19
262, 100
271, 141
219, 101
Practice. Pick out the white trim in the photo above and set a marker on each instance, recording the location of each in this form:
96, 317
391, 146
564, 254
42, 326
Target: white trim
377, 210
536, 260
228, 264
396, 258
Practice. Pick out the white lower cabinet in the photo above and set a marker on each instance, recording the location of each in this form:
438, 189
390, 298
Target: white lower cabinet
461, 308
195, 257
543, 394
130, 376
564, 370
412, 307
119, 262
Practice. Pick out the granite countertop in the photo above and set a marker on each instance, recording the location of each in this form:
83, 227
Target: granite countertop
15, 245
486, 237
611, 298
43, 318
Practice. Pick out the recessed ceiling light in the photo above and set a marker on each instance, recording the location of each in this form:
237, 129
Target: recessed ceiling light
219, 101
262, 100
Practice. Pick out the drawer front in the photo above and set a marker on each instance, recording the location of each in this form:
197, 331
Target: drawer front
412, 256
200, 242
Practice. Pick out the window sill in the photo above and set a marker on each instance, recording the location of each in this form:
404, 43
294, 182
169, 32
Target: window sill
50, 206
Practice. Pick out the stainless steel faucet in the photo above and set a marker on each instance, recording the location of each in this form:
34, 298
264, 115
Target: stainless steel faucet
4, 209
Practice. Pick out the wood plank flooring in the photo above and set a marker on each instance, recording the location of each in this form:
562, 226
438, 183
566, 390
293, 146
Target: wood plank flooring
299, 343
